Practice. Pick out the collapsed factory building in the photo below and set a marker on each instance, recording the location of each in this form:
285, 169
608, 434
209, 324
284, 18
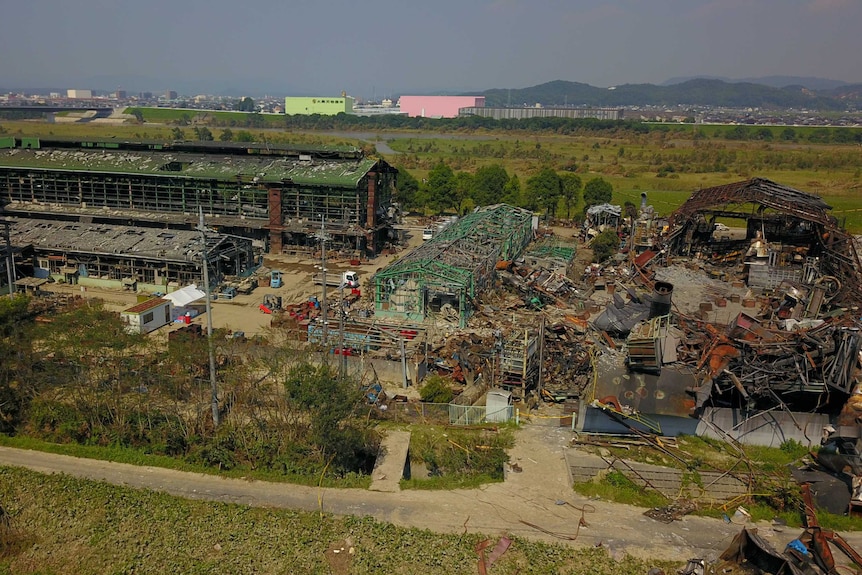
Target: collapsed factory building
445, 274
790, 237
276, 196
768, 346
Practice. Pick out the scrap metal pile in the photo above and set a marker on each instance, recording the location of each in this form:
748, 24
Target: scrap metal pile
811, 553
795, 343
755, 366
775, 327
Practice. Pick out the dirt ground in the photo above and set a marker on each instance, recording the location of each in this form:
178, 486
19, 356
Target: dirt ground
242, 312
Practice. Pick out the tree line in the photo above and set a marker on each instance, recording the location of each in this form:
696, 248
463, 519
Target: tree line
549, 191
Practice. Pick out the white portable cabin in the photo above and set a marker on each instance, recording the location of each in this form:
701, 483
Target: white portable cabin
147, 316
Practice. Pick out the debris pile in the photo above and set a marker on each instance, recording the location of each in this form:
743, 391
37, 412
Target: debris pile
810, 553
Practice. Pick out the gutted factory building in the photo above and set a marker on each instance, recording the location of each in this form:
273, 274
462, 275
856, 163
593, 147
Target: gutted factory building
445, 274
116, 256
274, 195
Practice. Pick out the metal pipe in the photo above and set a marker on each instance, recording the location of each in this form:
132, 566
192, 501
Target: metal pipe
404, 364
323, 308
342, 360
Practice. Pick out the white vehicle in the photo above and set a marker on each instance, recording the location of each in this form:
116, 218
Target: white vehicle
346, 279
427, 234
721, 228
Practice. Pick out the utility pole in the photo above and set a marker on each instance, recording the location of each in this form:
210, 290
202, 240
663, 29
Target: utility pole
10, 260
323, 237
342, 360
209, 311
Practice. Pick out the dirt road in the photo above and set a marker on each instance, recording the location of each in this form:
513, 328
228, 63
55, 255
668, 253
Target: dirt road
534, 503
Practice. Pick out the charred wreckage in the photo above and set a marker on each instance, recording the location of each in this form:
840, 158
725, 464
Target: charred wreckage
735, 317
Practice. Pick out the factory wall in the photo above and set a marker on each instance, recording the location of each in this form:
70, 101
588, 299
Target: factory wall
438, 106
323, 105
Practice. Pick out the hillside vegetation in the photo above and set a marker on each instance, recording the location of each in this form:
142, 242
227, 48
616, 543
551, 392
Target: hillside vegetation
77, 379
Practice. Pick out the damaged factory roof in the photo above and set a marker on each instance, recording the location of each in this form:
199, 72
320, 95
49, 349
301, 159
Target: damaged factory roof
485, 235
782, 225
761, 191
260, 168
144, 243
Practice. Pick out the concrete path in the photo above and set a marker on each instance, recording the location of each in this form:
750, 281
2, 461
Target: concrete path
391, 462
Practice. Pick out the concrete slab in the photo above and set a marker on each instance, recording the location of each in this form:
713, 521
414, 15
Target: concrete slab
712, 486
391, 462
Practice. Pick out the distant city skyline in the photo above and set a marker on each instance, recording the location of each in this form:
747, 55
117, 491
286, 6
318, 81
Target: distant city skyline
382, 48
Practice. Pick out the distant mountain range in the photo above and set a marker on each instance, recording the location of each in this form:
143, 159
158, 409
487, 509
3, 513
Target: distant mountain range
693, 92
810, 82
770, 93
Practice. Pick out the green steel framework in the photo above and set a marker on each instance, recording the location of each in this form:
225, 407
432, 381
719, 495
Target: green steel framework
454, 266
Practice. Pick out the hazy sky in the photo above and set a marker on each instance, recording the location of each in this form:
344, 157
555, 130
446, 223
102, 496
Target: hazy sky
382, 47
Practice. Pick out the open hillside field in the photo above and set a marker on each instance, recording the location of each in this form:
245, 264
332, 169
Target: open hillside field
667, 164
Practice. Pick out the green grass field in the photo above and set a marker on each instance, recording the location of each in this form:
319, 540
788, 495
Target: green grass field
132, 131
668, 167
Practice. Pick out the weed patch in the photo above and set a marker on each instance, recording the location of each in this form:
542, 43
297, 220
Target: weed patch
457, 458
615, 486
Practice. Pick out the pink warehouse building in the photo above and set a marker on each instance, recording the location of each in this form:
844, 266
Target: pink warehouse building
438, 106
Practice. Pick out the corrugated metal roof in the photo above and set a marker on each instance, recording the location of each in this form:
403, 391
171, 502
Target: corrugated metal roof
313, 172
146, 306
144, 243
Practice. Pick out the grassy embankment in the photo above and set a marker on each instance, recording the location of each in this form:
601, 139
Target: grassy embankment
64, 525
132, 456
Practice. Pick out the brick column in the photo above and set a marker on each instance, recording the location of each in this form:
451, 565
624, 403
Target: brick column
276, 221
371, 214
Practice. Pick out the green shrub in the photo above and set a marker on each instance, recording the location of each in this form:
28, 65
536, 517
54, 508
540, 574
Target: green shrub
219, 452
605, 245
793, 448
436, 389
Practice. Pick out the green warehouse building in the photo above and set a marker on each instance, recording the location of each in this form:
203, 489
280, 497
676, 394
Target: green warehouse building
323, 105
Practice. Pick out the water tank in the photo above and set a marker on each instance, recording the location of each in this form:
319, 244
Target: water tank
661, 299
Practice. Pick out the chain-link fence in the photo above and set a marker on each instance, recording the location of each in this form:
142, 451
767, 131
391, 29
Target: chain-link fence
444, 413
